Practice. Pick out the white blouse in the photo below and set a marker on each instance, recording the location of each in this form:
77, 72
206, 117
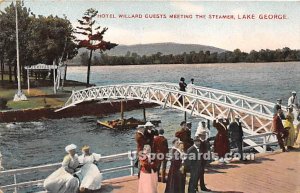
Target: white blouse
92, 158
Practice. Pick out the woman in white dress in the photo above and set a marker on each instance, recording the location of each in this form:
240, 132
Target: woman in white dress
62, 180
90, 176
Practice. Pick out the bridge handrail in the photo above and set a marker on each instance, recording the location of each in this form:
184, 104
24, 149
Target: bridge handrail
147, 85
239, 96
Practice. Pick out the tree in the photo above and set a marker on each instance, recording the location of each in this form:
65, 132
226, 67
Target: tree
94, 37
84, 58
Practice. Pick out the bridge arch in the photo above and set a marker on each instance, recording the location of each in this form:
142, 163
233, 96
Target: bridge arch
197, 103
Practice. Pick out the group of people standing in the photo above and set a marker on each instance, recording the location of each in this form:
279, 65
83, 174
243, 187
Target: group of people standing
76, 173
283, 125
187, 155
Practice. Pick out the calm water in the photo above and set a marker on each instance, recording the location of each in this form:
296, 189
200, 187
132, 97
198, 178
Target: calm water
34, 143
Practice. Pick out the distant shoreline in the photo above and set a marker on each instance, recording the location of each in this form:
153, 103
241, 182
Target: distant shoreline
77, 65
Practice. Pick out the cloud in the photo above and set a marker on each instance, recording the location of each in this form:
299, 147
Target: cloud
187, 7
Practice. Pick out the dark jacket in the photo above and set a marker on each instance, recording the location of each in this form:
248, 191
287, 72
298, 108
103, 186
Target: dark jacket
235, 131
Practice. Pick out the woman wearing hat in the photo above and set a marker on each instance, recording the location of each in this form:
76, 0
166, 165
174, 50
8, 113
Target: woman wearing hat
89, 175
63, 180
148, 175
288, 125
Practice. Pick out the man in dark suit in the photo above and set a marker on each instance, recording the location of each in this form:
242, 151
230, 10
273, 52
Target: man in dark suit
236, 135
195, 163
160, 148
277, 106
279, 130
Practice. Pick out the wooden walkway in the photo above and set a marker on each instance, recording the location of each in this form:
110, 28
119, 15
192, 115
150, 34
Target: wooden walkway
275, 172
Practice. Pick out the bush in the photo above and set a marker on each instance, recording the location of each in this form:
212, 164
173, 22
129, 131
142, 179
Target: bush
3, 103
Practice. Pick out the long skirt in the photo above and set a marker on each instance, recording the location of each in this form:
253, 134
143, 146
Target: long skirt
61, 181
291, 137
221, 144
148, 182
90, 177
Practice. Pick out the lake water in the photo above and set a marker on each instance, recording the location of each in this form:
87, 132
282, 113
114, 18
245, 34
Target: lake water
34, 143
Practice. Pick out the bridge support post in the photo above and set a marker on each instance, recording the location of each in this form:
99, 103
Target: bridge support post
184, 116
122, 110
144, 113
15, 181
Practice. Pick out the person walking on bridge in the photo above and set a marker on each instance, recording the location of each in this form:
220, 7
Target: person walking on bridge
279, 130
182, 87
236, 136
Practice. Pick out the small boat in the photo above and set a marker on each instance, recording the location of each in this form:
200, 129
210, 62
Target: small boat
130, 123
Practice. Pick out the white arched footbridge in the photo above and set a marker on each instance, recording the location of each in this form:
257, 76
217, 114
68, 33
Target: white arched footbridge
256, 115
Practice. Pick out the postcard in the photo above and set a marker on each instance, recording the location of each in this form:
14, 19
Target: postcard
149, 96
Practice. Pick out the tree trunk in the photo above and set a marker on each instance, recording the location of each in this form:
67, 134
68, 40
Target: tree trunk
2, 69
10, 73
15, 74
65, 77
89, 69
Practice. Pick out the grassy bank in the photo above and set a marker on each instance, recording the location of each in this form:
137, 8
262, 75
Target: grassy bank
38, 97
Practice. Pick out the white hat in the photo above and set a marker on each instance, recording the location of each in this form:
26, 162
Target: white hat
149, 124
294, 92
70, 147
140, 126
220, 116
237, 117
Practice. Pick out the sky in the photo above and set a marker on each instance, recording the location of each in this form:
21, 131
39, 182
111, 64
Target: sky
245, 34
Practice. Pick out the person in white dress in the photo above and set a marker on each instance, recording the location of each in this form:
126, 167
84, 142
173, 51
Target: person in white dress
63, 179
202, 126
293, 102
89, 175
190, 86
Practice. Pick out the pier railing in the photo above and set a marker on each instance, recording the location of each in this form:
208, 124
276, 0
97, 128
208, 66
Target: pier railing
15, 186
130, 156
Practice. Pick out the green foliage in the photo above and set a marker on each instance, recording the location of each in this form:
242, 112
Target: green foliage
279, 55
93, 39
41, 39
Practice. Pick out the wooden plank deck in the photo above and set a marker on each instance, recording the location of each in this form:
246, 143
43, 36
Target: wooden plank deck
269, 173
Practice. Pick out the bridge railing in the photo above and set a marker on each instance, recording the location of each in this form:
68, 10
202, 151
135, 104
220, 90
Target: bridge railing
111, 158
228, 97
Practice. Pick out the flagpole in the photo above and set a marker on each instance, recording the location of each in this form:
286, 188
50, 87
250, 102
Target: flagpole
19, 96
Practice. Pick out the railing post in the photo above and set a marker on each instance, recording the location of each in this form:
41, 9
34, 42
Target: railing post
15, 181
131, 163
264, 144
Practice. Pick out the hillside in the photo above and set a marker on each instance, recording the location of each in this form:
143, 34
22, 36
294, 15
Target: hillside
149, 49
